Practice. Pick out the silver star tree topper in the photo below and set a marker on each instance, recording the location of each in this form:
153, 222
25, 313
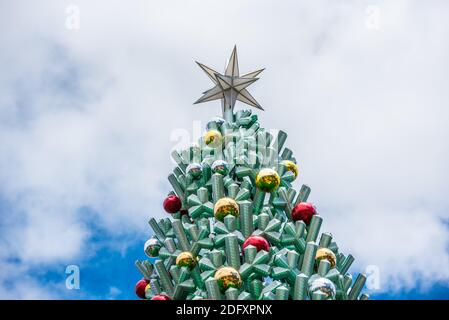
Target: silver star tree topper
230, 86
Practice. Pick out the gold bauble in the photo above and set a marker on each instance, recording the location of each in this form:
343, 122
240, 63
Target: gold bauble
213, 138
291, 166
326, 254
228, 277
225, 206
185, 259
267, 180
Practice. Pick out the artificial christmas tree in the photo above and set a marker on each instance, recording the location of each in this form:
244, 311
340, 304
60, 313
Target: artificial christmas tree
239, 230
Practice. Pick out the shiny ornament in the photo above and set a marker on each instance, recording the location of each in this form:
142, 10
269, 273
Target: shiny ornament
303, 211
152, 247
140, 288
213, 138
291, 166
326, 254
228, 277
185, 259
172, 203
195, 170
225, 206
322, 285
221, 167
267, 180
160, 297
257, 241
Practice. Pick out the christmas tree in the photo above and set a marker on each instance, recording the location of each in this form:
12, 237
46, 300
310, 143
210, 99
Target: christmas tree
239, 230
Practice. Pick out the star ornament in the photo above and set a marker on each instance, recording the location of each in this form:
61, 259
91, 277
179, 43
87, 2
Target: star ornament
230, 86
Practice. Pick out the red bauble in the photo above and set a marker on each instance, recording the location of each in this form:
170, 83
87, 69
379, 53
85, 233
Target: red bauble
303, 211
161, 297
259, 242
140, 288
172, 204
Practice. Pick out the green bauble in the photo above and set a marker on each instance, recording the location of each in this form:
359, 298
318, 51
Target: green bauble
195, 170
322, 285
152, 247
221, 167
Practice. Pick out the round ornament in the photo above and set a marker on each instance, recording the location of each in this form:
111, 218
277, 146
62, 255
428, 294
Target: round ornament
140, 288
225, 206
172, 203
257, 241
228, 277
323, 285
213, 138
303, 211
291, 166
221, 167
267, 180
326, 254
160, 297
152, 247
185, 259
194, 170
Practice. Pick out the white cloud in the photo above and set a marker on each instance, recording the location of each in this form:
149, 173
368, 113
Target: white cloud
365, 110
16, 284
114, 292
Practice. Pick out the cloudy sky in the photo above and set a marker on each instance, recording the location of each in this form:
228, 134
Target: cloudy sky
92, 94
